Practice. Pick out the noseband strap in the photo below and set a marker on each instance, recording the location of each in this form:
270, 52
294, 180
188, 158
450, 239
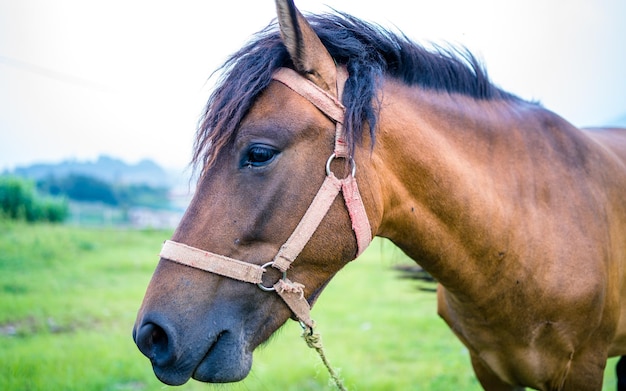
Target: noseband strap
212, 263
292, 292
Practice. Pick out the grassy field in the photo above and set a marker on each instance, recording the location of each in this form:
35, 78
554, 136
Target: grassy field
68, 299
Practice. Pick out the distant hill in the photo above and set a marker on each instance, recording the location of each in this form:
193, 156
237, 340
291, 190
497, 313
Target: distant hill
106, 168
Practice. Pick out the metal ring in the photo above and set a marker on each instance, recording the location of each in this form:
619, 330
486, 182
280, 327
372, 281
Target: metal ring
332, 157
305, 327
271, 288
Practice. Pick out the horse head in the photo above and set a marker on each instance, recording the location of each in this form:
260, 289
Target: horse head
259, 175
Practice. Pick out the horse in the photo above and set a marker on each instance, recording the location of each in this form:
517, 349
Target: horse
325, 131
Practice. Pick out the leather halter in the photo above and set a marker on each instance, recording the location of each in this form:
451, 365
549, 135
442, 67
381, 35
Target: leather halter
292, 292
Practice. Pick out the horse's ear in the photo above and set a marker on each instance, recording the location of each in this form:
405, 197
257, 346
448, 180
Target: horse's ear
307, 52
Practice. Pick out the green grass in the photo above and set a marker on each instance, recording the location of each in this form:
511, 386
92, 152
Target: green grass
68, 299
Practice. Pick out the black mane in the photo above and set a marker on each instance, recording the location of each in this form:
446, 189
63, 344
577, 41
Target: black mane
369, 53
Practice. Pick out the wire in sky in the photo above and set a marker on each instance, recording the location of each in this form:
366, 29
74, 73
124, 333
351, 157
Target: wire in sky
52, 74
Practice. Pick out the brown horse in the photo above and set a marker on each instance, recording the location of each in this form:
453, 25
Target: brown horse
519, 215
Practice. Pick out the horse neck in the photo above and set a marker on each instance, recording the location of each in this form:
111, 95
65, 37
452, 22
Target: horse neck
437, 156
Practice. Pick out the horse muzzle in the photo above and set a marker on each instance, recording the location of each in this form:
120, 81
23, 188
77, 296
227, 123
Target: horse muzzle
217, 356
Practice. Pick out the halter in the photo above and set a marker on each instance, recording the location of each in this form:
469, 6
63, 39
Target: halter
292, 292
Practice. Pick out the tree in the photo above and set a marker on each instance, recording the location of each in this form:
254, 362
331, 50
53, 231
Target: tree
20, 201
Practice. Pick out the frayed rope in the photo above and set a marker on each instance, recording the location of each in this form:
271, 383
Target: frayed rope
314, 341
290, 287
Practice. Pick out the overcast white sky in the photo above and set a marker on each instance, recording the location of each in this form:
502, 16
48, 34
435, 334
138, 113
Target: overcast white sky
128, 78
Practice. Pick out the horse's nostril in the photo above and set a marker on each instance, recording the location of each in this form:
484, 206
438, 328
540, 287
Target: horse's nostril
159, 338
152, 340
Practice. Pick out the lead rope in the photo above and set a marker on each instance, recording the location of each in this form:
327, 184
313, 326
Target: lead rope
289, 290
314, 341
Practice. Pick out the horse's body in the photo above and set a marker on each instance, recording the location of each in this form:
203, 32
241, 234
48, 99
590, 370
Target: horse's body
529, 218
519, 215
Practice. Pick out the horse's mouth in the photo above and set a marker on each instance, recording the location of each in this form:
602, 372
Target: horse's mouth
226, 360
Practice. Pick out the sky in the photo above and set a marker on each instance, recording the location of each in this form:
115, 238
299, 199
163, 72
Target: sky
129, 78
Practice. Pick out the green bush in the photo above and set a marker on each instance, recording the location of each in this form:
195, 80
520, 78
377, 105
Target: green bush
20, 201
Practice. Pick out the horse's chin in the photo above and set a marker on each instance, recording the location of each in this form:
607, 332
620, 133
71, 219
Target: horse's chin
224, 368
170, 377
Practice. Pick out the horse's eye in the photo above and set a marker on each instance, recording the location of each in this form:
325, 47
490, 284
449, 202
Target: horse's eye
259, 156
